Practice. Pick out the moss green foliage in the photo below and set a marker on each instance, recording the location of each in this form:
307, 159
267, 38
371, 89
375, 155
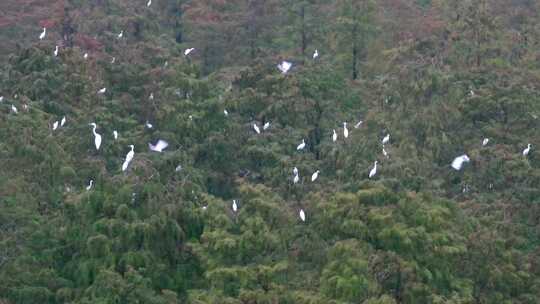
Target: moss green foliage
439, 76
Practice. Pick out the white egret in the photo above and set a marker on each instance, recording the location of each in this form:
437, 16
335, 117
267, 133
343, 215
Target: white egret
234, 205
1, 98
485, 141
42, 35
149, 3
63, 121
284, 67
315, 175
295, 171
356, 126
121, 34
316, 54
373, 170
55, 125
102, 91
14, 109
159, 146
296, 179
527, 150
266, 125
301, 146
457, 163
113, 60
188, 51
345, 130
90, 185
178, 168
384, 152
256, 128
204, 207
386, 139
97, 137
302, 215
25, 107
85, 56
129, 158
226, 112
149, 125
151, 97
334, 136
115, 134
56, 51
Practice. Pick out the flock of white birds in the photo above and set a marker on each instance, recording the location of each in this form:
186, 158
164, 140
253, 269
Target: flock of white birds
161, 145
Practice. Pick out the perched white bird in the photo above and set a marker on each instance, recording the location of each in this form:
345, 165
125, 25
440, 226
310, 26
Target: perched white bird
266, 125
315, 175
188, 51
14, 109
115, 134
334, 136
121, 34
302, 215
256, 128
129, 158
102, 91
90, 185
85, 56
178, 168
384, 152
457, 163
159, 146
356, 126
113, 60
485, 141
151, 97
234, 205
373, 170
296, 179
204, 207
284, 67
386, 139
63, 121
226, 112
345, 130
295, 171
42, 35
25, 107
149, 3
97, 137
149, 125
527, 150
56, 51
1, 98
316, 54
301, 146
55, 125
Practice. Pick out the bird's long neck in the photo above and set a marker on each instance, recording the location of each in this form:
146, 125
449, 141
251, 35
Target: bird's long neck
94, 130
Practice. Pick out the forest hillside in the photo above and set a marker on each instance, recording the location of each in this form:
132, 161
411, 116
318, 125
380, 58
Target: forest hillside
270, 151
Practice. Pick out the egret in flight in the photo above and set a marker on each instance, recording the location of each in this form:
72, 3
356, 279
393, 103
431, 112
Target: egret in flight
284, 67
315, 175
63, 121
90, 185
159, 146
102, 91
115, 134
345, 131
256, 128
302, 145
527, 150
188, 51
234, 205
266, 125
97, 137
42, 35
386, 139
457, 163
129, 158
485, 142
316, 54
56, 51
55, 125
334, 136
302, 215
373, 170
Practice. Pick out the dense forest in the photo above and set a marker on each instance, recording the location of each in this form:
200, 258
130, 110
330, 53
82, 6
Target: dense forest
395, 161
